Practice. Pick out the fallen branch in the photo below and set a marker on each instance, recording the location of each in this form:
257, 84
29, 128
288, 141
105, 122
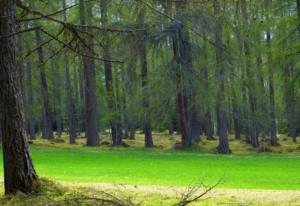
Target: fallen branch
190, 196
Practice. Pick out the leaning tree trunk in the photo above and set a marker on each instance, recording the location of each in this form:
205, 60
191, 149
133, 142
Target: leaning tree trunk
69, 93
223, 146
115, 122
47, 131
19, 173
89, 74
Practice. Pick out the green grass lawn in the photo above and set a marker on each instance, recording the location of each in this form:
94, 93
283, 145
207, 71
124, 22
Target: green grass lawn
166, 167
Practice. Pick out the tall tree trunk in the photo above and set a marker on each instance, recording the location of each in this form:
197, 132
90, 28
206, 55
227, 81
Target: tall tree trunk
30, 98
180, 91
130, 87
69, 93
57, 97
298, 12
145, 83
89, 74
289, 97
262, 101
187, 82
19, 173
82, 100
223, 146
289, 93
47, 131
111, 95
209, 130
273, 127
124, 106
250, 80
77, 98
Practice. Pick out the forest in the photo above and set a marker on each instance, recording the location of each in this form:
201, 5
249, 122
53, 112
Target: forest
149, 102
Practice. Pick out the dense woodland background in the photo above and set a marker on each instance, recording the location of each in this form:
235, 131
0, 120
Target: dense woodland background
197, 67
223, 70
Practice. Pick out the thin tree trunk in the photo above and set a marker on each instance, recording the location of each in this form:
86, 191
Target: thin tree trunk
145, 84
273, 127
30, 100
57, 97
289, 95
180, 96
82, 100
89, 73
69, 93
77, 99
223, 146
187, 82
19, 173
111, 96
47, 131
124, 106
298, 12
262, 101
251, 81
209, 130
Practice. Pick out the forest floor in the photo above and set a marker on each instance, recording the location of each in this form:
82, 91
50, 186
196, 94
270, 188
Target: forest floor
162, 174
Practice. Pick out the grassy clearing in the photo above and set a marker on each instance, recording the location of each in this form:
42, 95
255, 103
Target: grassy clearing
152, 175
57, 194
167, 167
147, 167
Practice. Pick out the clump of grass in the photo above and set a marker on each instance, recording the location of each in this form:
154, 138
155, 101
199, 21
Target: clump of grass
49, 193
45, 191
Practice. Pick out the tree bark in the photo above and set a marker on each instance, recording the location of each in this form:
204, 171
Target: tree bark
19, 173
273, 127
47, 131
115, 122
289, 96
208, 127
124, 106
57, 97
89, 74
69, 93
185, 80
253, 132
180, 95
30, 100
145, 83
298, 12
223, 146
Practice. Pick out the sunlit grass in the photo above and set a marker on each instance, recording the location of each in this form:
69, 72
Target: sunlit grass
166, 166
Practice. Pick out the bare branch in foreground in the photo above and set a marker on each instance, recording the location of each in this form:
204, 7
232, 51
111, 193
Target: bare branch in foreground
190, 195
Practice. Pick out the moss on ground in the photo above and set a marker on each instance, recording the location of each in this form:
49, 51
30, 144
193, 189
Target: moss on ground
55, 194
164, 141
